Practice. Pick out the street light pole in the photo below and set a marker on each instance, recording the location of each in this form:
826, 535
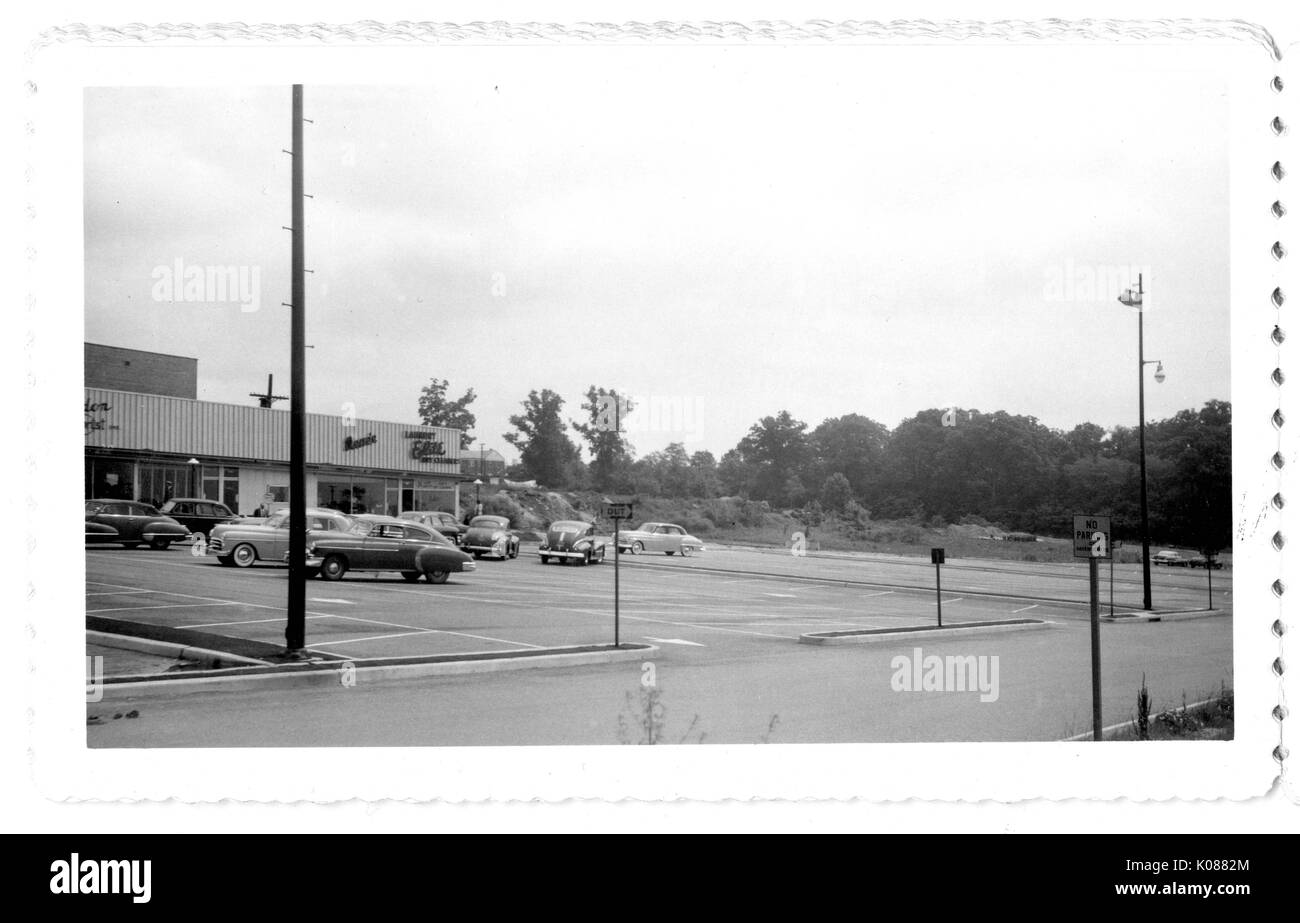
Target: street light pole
1142, 456
1134, 300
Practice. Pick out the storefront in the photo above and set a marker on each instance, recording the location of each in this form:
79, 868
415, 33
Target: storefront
153, 447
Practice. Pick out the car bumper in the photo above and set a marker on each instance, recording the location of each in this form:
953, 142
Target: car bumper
555, 553
170, 535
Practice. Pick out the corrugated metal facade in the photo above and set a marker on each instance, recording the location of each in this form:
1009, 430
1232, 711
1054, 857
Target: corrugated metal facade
130, 422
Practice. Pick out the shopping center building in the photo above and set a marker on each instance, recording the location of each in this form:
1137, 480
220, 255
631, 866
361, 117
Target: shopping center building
149, 439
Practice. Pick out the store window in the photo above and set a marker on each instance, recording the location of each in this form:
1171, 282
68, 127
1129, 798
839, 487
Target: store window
110, 479
221, 483
160, 482
351, 495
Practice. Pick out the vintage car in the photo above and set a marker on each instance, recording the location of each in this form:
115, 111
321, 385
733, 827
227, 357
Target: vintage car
1171, 559
198, 515
569, 540
135, 523
385, 543
97, 533
441, 522
241, 544
491, 535
659, 536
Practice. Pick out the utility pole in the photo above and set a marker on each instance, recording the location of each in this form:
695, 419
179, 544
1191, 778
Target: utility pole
295, 631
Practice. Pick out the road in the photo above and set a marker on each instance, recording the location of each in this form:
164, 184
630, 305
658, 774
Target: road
728, 667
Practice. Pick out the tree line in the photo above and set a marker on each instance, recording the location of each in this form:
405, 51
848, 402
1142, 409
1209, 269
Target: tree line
940, 465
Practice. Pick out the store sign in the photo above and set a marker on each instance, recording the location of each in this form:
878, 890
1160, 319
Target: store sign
427, 447
97, 416
357, 442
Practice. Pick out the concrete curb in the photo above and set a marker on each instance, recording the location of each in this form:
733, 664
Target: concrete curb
346, 673
878, 636
1172, 616
211, 659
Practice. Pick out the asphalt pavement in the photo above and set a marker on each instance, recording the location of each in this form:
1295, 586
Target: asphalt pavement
727, 668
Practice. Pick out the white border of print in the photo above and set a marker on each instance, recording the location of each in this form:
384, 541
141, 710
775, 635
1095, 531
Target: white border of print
65, 768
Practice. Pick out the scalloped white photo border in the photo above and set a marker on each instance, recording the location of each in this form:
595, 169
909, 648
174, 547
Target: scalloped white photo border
64, 60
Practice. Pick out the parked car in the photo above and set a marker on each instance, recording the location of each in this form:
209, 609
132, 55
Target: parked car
441, 522
134, 522
1199, 560
198, 515
241, 544
570, 540
98, 534
491, 535
385, 543
1171, 559
659, 536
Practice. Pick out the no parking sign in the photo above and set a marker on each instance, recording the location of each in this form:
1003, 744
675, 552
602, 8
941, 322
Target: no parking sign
1092, 537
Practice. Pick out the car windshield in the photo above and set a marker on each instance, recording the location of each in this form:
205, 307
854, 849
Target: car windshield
565, 525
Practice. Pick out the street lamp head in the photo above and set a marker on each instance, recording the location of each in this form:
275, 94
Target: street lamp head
193, 461
1131, 298
1160, 373
477, 482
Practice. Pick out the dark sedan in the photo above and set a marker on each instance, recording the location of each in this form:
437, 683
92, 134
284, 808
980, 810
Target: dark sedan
198, 515
570, 540
385, 543
441, 522
135, 524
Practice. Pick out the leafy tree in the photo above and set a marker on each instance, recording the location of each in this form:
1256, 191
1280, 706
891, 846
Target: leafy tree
437, 410
610, 453
735, 474
837, 492
703, 480
852, 445
545, 451
777, 448
1196, 492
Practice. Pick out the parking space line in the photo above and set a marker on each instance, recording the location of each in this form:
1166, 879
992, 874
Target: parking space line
442, 631
400, 634
251, 622
123, 593
641, 618
145, 608
1025, 609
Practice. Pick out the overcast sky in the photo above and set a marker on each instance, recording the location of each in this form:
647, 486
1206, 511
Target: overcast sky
721, 239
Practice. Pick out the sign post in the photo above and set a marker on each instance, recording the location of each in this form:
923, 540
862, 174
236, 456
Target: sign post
608, 418
1092, 541
617, 512
936, 558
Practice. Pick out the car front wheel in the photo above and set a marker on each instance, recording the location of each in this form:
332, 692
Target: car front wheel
637, 548
333, 567
437, 576
545, 559
244, 555
410, 576
686, 551
160, 544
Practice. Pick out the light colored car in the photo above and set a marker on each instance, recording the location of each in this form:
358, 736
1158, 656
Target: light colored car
491, 535
667, 537
242, 544
385, 543
571, 540
1171, 559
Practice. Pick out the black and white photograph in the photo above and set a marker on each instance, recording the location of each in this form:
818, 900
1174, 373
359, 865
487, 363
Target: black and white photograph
564, 400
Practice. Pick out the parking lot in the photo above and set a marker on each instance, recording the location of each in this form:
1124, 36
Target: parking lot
729, 597
726, 626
